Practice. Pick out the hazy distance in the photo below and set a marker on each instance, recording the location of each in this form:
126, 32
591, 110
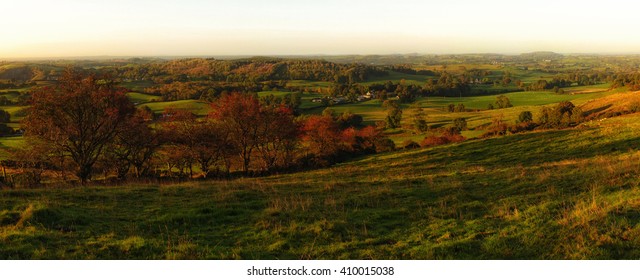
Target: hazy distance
34, 28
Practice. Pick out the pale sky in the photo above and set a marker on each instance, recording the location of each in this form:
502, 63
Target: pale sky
51, 28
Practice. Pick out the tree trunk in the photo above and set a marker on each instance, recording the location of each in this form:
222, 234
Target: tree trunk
84, 173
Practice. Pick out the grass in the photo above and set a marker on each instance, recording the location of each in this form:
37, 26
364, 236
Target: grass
523, 98
199, 108
137, 86
436, 114
10, 143
140, 98
570, 194
396, 77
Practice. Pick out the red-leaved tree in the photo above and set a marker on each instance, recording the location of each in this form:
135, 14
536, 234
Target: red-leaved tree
79, 116
239, 115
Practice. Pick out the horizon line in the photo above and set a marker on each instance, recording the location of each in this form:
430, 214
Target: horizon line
81, 57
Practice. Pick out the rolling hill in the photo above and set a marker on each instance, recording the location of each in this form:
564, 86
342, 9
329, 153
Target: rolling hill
558, 194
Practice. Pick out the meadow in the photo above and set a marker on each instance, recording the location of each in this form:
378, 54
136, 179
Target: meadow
567, 194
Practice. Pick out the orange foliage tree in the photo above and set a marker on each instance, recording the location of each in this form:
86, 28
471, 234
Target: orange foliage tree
79, 116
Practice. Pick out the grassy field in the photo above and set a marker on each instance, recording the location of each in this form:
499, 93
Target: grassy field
137, 85
199, 108
569, 194
140, 98
396, 77
437, 114
10, 143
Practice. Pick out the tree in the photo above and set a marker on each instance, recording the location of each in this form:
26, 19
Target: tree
348, 119
503, 101
5, 117
497, 127
80, 116
525, 117
460, 124
419, 122
277, 136
134, 146
238, 115
322, 136
394, 114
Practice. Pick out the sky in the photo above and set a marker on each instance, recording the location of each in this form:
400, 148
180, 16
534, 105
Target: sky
68, 28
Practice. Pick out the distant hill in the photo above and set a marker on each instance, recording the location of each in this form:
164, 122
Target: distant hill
542, 55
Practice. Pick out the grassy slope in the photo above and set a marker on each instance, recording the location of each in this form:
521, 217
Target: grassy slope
554, 194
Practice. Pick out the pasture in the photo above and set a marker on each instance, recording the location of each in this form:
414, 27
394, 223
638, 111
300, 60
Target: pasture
568, 194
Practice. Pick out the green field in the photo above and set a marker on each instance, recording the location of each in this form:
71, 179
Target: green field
397, 77
199, 108
570, 194
137, 85
9, 143
140, 98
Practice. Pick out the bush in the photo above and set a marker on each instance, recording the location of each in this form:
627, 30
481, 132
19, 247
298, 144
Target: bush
385, 145
522, 127
410, 144
503, 101
448, 131
497, 127
634, 107
431, 141
564, 114
460, 124
5, 117
5, 130
525, 116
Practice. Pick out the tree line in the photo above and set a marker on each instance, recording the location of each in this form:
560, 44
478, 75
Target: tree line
86, 126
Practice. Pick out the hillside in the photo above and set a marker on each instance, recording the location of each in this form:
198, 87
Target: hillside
568, 194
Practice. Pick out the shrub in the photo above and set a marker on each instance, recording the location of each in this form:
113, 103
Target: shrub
503, 101
384, 145
522, 127
634, 107
564, 114
5, 130
5, 117
525, 116
410, 144
431, 141
460, 124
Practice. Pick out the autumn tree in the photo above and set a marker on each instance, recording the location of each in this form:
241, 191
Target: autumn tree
277, 136
134, 146
80, 116
322, 136
238, 115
